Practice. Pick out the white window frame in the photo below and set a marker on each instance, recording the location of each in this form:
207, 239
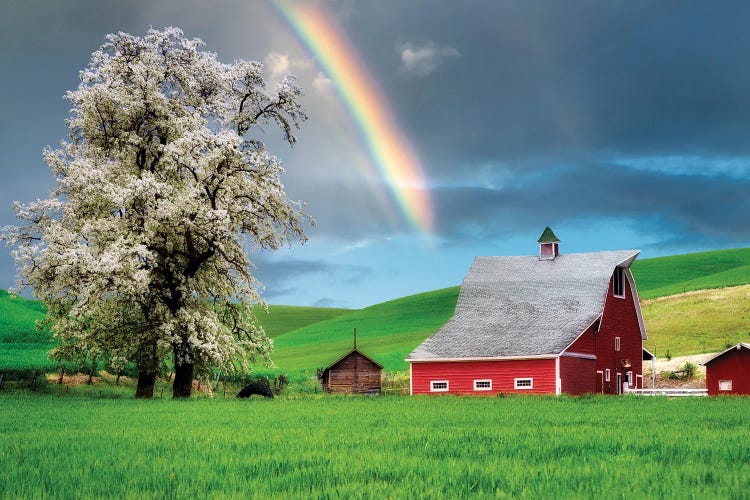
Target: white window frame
629, 378
523, 387
727, 385
606, 375
618, 277
484, 380
617, 344
433, 389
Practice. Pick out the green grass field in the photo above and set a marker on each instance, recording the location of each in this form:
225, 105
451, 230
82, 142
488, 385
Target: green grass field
387, 332
698, 322
282, 319
386, 447
664, 276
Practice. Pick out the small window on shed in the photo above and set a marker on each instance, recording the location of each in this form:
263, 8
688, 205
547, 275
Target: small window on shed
725, 385
483, 385
523, 383
438, 386
606, 375
618, 283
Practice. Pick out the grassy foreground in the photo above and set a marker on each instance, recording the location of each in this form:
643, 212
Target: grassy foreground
439, 447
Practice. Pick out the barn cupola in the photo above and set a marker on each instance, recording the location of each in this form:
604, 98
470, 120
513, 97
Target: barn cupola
548, 242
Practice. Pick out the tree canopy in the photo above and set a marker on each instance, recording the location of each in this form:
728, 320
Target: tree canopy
141, 250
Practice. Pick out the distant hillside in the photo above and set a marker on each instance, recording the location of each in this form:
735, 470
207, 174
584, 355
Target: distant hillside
697, 322
387, 332
23, 347
282, 319
664, 276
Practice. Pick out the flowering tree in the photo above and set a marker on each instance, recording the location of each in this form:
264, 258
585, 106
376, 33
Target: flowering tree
140, 251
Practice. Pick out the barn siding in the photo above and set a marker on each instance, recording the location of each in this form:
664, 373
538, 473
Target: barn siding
734, 365
577, 375
585, 344
461, 375
354, 373
619, 320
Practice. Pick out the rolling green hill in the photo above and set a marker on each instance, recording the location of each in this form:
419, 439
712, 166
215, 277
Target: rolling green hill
387, 332
282, 319
664, 276
307, 337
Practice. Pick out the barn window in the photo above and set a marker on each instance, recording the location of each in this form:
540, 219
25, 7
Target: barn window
606, 375
438, 386
725, 385
617, 343
629, 378
618, 283
524, 383
483, 385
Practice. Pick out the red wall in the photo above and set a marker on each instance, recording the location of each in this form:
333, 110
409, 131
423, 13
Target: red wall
461, 376
619, 320
577, 375
585, 344
734, 366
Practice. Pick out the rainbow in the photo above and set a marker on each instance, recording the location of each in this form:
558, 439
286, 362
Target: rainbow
388, 145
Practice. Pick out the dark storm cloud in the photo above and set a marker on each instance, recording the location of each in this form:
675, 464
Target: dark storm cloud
714, 207
540, 77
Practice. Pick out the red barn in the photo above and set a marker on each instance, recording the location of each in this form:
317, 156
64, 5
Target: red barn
546, 324
729, 372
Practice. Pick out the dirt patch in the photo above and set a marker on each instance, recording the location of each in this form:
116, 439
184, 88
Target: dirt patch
664, 366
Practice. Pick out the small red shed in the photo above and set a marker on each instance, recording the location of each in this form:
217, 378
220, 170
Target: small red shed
729, 371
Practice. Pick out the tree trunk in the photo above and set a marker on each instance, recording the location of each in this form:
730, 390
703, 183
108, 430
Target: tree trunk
146, 382
183, 380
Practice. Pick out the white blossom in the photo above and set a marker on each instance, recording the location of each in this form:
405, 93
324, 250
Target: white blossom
140, 250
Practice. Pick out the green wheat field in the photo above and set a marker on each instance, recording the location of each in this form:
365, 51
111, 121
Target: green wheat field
387, 447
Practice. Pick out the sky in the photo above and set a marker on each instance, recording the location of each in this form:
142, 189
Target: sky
441, 130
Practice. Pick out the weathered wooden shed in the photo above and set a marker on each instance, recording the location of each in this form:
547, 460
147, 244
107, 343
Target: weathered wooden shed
729, 371
353, 373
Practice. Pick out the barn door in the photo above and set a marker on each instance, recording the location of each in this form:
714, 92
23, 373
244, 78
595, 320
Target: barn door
599, 382
619, 383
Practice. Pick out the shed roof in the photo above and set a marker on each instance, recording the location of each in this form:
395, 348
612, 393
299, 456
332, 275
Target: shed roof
523, 306
349, 354
739, 346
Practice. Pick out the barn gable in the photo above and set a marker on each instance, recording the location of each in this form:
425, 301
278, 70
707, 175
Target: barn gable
522, 307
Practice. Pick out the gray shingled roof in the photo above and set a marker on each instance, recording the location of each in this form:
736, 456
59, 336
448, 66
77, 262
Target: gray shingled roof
523, 306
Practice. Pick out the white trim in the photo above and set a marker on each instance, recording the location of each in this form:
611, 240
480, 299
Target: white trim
432, 388
600, 372
483, 388
636, 303
411, 380
738, 347
492, 358
524, 388
629, 378
558, 380
618, 378
618, 344
725, 389
636, 381
607, 375
578, 355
